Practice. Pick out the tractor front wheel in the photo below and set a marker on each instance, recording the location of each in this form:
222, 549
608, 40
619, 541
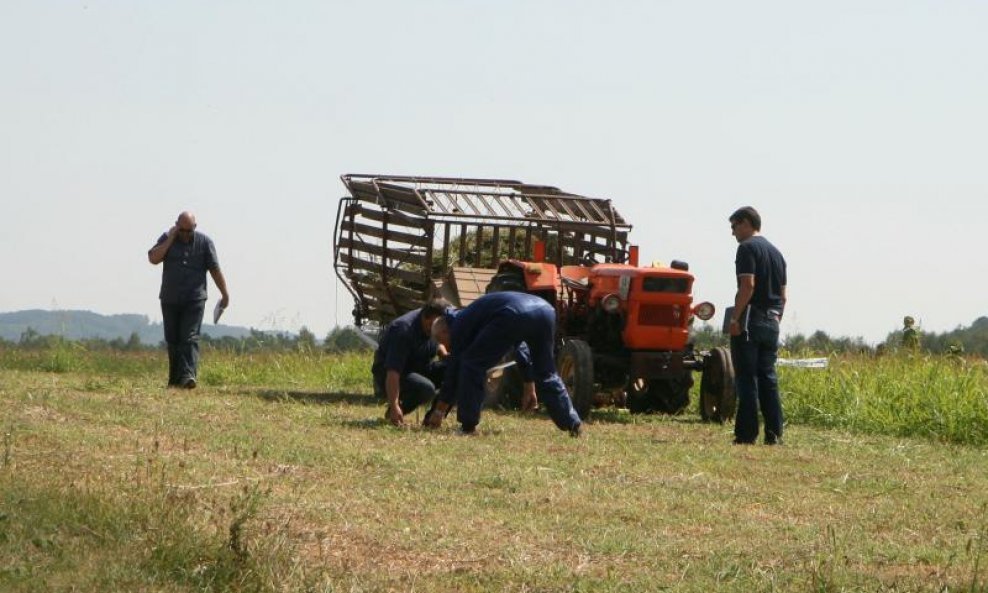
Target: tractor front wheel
575, 365
717, 399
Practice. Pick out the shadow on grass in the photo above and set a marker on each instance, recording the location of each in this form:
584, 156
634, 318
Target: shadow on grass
609, 416
315, 397
366, 423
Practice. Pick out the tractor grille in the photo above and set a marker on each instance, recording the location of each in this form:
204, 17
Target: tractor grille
667, 315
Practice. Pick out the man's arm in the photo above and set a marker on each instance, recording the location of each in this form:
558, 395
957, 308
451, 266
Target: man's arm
746, 288
523, 359
156, 254
220, 281
529, 397
447, 392
392, 387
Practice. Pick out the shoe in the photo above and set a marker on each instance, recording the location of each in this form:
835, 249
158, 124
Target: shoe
467, 431
740, 442
772, 443
576, 431
189, 383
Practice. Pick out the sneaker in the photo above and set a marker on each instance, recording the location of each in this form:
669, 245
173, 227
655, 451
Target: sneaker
189, 383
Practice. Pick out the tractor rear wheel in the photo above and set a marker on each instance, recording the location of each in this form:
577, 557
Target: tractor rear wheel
717, 399
575, 365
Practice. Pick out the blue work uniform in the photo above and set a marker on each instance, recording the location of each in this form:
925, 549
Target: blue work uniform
482, 333
405, 348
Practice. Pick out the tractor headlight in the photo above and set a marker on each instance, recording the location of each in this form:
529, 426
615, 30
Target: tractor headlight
611, 303
704, 310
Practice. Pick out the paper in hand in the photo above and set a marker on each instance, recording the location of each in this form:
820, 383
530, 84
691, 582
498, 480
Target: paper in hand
217, 311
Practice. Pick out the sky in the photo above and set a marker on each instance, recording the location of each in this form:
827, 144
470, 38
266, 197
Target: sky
859, 130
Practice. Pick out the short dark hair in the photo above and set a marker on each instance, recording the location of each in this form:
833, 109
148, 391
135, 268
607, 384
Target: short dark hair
435, 307
747, 213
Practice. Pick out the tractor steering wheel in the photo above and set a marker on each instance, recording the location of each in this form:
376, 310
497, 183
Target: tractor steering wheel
620, 255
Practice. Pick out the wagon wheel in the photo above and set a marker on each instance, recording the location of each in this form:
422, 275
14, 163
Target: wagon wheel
669, 395
717, 400
575, 362
505, 391
673, 395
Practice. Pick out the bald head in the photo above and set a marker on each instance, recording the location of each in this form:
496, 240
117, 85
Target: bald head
186, 224
186, 220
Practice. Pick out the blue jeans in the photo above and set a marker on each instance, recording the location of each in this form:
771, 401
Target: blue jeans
414, 389
182, 322
754, 353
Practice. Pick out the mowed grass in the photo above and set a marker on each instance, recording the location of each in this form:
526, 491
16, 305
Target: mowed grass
278, 474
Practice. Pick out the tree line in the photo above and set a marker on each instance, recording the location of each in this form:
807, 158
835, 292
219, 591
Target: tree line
972, 339
339, 339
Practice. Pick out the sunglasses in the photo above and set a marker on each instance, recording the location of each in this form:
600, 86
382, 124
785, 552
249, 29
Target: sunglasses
187, 231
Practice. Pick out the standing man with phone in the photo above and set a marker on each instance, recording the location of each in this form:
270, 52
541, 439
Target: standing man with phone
754, 328
187, 255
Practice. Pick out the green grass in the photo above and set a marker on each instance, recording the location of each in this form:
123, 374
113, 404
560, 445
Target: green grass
277, 474
940, 398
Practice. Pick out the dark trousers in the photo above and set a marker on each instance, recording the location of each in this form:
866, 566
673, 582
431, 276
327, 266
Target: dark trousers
182, 322
754, 353
415, 389
537, 329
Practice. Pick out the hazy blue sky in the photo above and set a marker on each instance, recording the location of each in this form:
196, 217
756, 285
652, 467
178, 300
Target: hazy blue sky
858, 129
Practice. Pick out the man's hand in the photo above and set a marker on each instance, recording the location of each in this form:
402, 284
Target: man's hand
395, 415
156, 254
529, 399
735, 328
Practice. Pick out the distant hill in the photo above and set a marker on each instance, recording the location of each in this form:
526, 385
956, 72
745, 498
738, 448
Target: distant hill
76, 325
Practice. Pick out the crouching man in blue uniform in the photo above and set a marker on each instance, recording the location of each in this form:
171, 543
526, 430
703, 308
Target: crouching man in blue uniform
404, 371
479, 336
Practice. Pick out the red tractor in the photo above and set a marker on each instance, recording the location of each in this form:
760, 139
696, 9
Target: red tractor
623, 330
624, 336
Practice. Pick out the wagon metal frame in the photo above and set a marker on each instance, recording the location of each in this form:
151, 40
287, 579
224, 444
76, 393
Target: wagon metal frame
396, 237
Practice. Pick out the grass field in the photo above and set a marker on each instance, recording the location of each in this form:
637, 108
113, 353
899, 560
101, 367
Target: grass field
277, 474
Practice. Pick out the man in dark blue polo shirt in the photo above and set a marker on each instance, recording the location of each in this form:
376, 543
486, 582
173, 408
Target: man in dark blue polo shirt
479, 336
404, 370
754, 328
187, 255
